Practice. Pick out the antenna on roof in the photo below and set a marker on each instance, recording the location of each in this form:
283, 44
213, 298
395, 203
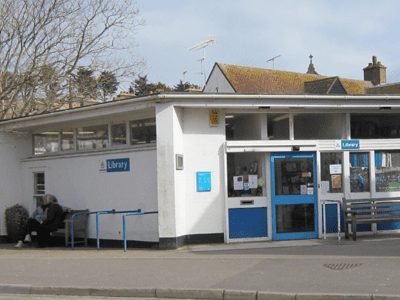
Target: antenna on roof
203, 45
273, 61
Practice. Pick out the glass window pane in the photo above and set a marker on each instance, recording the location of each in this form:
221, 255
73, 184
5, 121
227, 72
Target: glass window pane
295, 218
93, 137
118, 134
143, 131
359, 172
293, 176
317, 126
375, 126
46, 142
243, 127
387, 171
39, 188
67, 140
331, 172
278, 126
245, 175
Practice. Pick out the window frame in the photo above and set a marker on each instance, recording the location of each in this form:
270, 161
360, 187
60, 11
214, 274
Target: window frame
111, 146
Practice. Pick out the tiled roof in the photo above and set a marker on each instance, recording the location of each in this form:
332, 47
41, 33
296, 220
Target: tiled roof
331, 85
388, 89
320, 86
267, 81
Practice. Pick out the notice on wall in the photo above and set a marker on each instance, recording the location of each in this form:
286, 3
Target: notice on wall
214, 117
238, 183
253, 181
310, 191
324, 187
336, 181
303, 189
203, 181
335, 169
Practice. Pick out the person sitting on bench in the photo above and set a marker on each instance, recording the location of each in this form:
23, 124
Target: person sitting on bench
38, 217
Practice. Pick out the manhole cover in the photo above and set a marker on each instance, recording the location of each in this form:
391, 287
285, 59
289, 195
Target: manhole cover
342, 266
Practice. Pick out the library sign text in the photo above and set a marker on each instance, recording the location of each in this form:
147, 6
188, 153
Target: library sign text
116, 165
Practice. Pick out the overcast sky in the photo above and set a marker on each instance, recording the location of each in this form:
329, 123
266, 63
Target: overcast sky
342, 35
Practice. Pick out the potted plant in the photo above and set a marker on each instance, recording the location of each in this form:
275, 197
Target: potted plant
16, 217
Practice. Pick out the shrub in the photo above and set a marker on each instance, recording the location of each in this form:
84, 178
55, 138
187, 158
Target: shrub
16, 217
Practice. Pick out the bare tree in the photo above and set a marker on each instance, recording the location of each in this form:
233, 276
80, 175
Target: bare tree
42, 43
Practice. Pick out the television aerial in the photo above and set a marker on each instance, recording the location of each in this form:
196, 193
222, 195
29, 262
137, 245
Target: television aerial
203, 45
273, 61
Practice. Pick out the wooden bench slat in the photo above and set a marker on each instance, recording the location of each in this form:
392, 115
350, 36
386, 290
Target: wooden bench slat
369, 211
80, 227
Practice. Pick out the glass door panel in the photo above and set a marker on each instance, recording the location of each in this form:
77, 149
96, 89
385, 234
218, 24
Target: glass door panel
294, 196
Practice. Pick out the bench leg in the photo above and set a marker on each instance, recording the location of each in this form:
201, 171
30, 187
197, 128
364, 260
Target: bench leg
346, 230
354, 225
66, 235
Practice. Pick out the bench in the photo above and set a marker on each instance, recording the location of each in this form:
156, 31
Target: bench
369, 211
80, 227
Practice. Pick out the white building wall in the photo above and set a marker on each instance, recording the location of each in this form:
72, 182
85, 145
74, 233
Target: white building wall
77, 182
203, 152
169, 180
13, 147
217, 83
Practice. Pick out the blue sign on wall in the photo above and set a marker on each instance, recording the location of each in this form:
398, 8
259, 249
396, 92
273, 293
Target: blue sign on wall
350, 144
203, 181
118, 165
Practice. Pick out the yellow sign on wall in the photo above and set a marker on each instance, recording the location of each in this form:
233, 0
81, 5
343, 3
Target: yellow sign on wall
214, 118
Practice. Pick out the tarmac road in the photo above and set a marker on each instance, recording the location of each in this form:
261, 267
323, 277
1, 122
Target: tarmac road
369, 266
46, 297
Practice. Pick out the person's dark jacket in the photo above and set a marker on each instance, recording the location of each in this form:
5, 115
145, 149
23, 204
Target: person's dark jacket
55, 217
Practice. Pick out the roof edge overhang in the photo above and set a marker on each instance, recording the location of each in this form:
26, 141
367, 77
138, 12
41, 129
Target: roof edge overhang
262, 102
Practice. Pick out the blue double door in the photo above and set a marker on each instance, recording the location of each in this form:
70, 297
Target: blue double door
294, 195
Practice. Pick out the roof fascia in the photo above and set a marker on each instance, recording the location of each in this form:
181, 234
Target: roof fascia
100, 110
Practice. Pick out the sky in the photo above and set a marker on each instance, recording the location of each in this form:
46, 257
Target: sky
341, 35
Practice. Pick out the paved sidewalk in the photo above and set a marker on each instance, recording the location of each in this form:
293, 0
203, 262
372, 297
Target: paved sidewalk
305, 269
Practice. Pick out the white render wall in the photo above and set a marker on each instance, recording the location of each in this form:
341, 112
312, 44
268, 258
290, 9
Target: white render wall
13, 147
204, 152
217, 83
183, 210
78, 183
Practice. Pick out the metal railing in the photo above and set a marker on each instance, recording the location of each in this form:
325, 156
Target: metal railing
72, 227
113, 211
133, 214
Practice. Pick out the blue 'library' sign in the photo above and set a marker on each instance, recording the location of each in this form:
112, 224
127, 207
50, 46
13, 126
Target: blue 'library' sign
350, 144
203, 181
118, 165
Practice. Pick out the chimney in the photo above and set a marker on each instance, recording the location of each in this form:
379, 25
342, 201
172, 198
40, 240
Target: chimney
375, 72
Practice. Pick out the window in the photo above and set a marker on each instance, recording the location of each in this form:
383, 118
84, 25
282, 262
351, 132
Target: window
93, 137
243, 127
359, 172
375, 126
331, 173
38, 188
96, 137
318, 126
278, 126
67, 140
245, 174
118, 134
46, 142
387, 171
143, 131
